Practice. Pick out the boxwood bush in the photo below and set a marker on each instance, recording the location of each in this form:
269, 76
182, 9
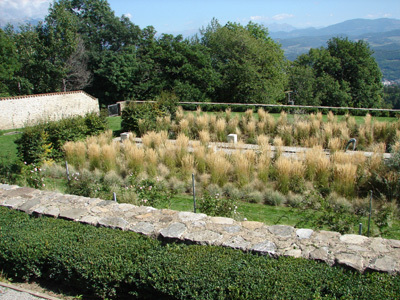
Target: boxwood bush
118, 264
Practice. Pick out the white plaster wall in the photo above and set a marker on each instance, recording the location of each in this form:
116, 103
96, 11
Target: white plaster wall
19, 112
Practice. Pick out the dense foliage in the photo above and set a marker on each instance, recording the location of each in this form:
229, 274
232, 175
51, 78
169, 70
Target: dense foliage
44, 141
116, 264
83, 45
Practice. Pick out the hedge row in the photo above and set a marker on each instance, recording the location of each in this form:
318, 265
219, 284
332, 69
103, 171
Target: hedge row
44, 140
117, 264
279, 109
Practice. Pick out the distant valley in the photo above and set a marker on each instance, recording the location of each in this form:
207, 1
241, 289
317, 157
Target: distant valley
383, 36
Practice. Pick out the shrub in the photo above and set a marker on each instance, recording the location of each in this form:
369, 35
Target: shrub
274, 198
215, 205
136, 267
44, 141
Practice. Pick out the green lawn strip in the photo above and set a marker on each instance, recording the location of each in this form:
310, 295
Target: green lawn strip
8, 149
123, 265
114, 123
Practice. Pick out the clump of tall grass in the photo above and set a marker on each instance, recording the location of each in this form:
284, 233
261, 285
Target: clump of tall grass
151, 162
94, 155
219, 167
108, 157
242, 168
153, 139
75, 153
134, 157
317, 166
220, 128
344, 178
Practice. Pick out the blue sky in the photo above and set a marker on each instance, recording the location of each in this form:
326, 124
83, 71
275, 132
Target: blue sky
176, 16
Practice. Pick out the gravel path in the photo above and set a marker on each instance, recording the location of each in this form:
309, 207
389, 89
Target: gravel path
10, 292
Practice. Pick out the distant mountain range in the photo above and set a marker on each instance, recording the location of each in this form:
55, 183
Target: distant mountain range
383, 36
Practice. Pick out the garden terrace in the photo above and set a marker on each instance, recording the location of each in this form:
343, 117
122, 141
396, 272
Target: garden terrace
354, 251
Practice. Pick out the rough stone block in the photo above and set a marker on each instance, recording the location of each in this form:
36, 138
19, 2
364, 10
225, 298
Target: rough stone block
232, 138
173, 231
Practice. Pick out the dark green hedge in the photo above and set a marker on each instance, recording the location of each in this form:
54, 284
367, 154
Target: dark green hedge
116, 264
44, 140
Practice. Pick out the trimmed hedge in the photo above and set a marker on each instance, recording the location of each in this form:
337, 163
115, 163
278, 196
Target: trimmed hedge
44, 140
117, 264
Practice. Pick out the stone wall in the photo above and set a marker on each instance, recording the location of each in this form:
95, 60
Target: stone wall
354, 251
17, 112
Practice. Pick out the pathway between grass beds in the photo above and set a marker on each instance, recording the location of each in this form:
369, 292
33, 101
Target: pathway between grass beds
354, 251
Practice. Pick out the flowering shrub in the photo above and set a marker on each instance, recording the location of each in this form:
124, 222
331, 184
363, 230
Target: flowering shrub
153, 192
215, 205
33, 175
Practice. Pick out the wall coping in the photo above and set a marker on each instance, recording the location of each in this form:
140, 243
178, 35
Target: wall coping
47, 95
354, 251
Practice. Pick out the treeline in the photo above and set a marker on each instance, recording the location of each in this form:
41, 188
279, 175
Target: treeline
82, 44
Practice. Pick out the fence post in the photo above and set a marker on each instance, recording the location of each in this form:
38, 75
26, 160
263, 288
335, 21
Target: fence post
194, 193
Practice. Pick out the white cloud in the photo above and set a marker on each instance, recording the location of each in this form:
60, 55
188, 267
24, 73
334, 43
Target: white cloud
280, 17
23, 9
378, 15
128, 15
259, 18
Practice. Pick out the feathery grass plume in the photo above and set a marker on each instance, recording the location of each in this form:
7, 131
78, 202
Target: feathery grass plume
270, 123
199, 152
368, 120
180, 114
134, 157
319, 116
250, 131
79, 154
341, 157
327, 133
351, 124
212, 123
241, 168
191, 118
297, 170
341, 130
228, 114
220, 127
94, 155
233, 124
302, 131
168, 154
344, 179
204, 137
91, 139
315, 127
312, 141
335, 144
278, 143
282, 169
105, 138
262, 115
108, 157
263, 161
219, 167
331, 117
282, 120
286, 133
318, 167
202, 122
163, 123
261, 125
162, 171
151, 162
182, 143
198, 111
248, 115
396, 146
187, 166
184, 127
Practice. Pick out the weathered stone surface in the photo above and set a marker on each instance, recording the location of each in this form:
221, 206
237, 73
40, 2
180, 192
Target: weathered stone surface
236, 242
319, 254
222, 220
113, 222
281, 230
145, 228
13, 202
186, 216
293, 253
353, 239
232, 229
203, 237
385, 264
352, 260
378, 245
394, 243
21, 192
304, 233
173, 231
251, 225
72, 213
92, 220
29, 205
266, 247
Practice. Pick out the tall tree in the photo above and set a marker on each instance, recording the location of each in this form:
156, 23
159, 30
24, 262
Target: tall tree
346, 74
251, 65
8, 63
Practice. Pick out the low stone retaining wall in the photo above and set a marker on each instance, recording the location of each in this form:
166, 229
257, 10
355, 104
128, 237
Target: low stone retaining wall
354, 251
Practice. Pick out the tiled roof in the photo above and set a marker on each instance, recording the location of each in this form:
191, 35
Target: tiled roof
48, 94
